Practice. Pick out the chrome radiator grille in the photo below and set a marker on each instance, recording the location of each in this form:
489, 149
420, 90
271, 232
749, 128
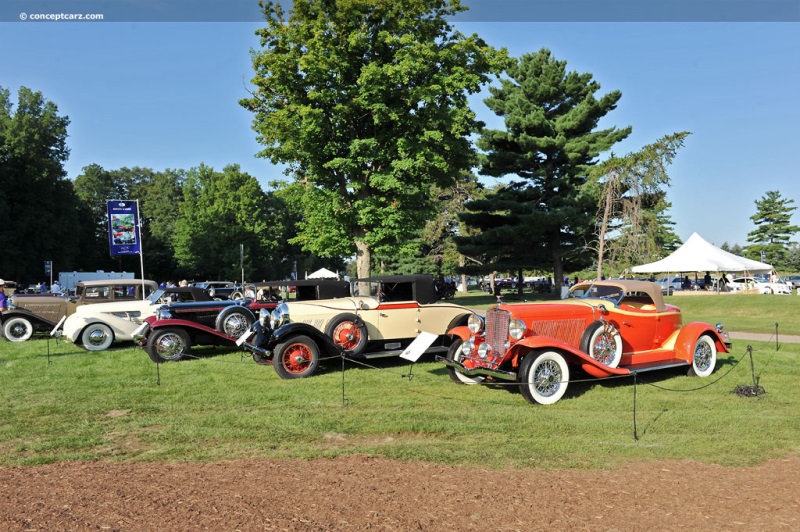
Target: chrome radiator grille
497, 321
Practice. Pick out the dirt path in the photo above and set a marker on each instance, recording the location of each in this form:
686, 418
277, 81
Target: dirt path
371, 493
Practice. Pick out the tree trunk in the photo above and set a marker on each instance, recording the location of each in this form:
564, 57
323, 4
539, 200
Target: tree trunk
558, 269
461, 263
610, 191
363, 265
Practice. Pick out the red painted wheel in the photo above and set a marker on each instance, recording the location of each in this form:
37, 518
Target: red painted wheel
297, 358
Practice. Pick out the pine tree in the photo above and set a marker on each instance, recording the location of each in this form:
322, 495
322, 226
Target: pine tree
551, 141
774, 229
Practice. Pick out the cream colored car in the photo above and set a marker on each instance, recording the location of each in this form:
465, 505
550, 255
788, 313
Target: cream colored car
390, 314
100, 325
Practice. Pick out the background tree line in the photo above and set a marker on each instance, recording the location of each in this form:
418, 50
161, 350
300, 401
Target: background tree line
365, 102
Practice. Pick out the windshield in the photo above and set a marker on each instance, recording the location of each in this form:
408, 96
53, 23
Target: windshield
609, 293
155, 296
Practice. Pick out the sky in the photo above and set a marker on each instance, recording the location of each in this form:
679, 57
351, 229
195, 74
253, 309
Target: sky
153, 86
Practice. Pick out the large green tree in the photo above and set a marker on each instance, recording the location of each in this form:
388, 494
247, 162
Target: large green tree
774, 230
222, 211
366, 102
39, 217
160, 197
550, 140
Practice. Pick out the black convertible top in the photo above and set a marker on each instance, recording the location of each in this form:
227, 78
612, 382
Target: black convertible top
419, 287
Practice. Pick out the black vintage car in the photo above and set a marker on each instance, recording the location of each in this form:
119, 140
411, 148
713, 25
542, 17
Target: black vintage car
170, 334
221, 289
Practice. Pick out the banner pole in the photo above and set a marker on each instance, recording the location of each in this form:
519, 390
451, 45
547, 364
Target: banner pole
141, 247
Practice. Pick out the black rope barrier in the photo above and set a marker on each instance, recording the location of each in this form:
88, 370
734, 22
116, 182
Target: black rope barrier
746, 391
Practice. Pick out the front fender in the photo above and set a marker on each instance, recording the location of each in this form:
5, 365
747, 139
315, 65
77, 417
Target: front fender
192, 328
74, 325
573, 356
462, 332
35, 319
290, 330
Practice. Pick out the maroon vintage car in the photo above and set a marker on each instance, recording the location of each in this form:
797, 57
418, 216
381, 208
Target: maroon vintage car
171, 333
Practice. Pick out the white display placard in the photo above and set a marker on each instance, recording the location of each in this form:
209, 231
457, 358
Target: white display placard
246, 336
420, 344
58, 325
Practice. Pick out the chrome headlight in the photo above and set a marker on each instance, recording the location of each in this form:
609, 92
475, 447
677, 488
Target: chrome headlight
517, 329
279, 316
475, 324
264, 316
163, 314
466, 348
483, 350
211, 292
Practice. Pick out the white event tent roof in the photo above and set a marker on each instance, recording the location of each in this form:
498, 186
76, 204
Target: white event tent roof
322, 273
698, 255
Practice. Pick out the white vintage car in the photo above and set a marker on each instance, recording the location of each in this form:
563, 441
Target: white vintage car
100, 325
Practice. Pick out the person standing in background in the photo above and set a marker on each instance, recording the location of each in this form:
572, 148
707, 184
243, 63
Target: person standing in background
3, 298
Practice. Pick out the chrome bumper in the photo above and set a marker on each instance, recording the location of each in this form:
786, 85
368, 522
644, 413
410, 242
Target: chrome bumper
496, 373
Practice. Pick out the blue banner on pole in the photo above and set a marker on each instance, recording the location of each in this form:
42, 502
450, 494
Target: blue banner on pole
123, 227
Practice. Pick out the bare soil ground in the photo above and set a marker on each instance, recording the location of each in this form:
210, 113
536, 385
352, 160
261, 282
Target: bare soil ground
357, 493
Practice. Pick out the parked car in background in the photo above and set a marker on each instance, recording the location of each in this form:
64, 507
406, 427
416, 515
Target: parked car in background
29, 313
793, 280
760, 284
221, 289
776, 286
604, 328
382, 318
171, 333
670, 284
97, 327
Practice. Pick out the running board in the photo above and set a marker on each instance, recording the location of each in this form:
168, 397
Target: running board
397, 352
652, 366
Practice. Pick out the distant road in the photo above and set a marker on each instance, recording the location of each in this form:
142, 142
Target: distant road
763, 337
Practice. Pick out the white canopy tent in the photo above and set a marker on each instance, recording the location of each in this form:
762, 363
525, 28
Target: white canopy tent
698, 255
322, 273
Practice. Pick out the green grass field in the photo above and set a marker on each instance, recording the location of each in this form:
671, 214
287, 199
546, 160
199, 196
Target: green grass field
59, 402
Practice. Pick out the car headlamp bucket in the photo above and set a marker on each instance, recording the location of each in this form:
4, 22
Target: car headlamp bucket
264, 316
475, 324
280, 316
483, 350
163, 314
517, 329
467, 347
211, 292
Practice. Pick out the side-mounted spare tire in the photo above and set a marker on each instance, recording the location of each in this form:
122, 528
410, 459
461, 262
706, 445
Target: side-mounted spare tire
235, 321
602, 341
348, 332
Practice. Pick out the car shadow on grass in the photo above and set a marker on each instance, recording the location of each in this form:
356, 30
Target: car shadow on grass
581, 382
